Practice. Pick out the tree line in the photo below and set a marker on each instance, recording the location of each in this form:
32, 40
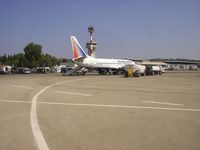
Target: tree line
31, 58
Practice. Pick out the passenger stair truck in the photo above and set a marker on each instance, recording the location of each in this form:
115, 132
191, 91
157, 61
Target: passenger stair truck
75, 71
134, 70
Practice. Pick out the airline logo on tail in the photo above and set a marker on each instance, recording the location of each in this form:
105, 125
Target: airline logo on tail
77, 49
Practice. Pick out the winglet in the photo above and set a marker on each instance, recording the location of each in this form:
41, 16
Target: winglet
77, 49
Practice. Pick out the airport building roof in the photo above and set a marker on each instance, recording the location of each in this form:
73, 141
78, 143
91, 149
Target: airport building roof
153, 63
182, 62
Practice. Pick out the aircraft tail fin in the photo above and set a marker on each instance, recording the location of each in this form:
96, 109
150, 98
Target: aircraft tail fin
78, 51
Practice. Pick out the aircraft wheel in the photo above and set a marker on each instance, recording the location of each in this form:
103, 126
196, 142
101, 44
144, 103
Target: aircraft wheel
137, 73
126, 74
105, 72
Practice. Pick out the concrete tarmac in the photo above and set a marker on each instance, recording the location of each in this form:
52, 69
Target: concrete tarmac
101, 112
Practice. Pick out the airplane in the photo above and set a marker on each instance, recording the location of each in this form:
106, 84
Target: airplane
102, 65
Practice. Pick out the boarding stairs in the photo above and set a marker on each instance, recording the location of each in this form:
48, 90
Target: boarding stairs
75, 71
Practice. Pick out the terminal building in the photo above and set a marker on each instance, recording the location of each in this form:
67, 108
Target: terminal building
182, 65
172, 64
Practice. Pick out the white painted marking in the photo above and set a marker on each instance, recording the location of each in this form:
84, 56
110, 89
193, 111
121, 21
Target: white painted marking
162, 103
14, 101
100, 105
19, 86
40, 141
73, 93
121, 106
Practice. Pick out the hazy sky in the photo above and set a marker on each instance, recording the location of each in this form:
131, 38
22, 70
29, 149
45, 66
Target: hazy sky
135, 29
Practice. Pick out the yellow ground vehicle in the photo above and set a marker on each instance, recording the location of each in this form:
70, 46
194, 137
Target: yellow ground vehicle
134, 70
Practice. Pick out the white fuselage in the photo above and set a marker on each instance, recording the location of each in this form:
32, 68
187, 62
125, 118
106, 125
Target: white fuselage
90, 62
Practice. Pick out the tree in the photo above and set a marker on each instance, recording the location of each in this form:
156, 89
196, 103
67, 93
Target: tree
45, 61
48, 60
22, 61
32, 54
32, 57
4, 59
